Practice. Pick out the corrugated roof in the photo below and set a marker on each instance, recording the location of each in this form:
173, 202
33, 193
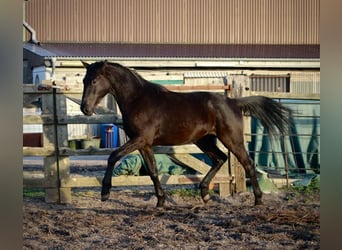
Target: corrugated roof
174, 50
176, 21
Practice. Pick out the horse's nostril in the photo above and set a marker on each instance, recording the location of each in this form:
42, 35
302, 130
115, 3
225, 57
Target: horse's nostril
84, 109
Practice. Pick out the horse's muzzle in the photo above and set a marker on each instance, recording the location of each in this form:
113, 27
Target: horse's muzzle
85, 110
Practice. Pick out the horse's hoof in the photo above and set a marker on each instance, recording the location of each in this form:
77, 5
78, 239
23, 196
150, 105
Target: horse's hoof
258, 203
206, 198
160, 207
104, 197
160, 203
205, 195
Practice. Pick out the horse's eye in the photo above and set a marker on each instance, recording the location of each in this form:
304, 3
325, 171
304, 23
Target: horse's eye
93, 81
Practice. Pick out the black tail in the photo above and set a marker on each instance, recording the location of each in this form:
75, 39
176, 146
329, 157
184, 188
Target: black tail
270, 113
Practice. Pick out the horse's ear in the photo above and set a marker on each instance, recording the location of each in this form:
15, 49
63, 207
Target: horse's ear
86, 65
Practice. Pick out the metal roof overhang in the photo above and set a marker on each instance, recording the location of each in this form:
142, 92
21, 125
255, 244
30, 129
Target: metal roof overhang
69, 55
195, 62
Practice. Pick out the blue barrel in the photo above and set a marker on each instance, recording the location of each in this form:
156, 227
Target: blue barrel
109, 135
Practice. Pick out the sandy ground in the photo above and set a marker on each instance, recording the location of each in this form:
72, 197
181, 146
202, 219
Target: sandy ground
130, 220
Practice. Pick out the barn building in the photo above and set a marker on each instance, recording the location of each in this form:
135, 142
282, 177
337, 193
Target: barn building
261, 47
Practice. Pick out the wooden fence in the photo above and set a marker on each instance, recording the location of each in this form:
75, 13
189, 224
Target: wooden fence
57, 180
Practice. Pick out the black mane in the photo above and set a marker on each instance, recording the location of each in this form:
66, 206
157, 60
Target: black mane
139, 79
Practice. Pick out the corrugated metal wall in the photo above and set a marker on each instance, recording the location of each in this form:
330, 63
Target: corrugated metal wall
176, 21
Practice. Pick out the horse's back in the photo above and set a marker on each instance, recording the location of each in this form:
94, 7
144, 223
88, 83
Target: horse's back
195, 106
181, 118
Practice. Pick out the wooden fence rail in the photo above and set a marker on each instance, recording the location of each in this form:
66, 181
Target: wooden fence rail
57, 180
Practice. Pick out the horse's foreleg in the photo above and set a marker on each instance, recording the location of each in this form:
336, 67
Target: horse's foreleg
116, 155
107, 179
147, 154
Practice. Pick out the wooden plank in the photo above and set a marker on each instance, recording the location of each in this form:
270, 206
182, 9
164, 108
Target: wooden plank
38, 119
32, 89
31, 180
189, 148
138, 180
77, 98
181, 149
34, 180
206, 87
76, 90
37, 151
193, 163
66, 151
281, 182
94, 119
283, 95
74, 119
29, 89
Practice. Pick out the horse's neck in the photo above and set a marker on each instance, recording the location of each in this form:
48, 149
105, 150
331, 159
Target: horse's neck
127, 88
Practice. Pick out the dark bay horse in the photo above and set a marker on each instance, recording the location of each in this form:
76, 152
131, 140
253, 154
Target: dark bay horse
153, 115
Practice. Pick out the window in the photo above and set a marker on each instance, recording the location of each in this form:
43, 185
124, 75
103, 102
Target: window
270, 83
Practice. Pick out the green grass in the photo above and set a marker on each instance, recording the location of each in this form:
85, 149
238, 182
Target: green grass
33, 192
84, 193
185, 192
188, 193
306, 191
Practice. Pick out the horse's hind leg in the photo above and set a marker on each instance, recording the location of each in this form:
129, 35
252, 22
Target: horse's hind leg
236, 146
147, 154
208, 145
249, 167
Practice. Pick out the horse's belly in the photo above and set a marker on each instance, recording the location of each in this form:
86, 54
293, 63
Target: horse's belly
179, 135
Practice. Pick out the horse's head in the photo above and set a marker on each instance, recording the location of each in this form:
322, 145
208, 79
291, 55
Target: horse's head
95, 86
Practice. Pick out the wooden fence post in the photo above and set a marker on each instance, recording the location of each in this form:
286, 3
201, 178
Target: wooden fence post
224, 188
54, 135
239, 174
239, 85
50, 162
63, 162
